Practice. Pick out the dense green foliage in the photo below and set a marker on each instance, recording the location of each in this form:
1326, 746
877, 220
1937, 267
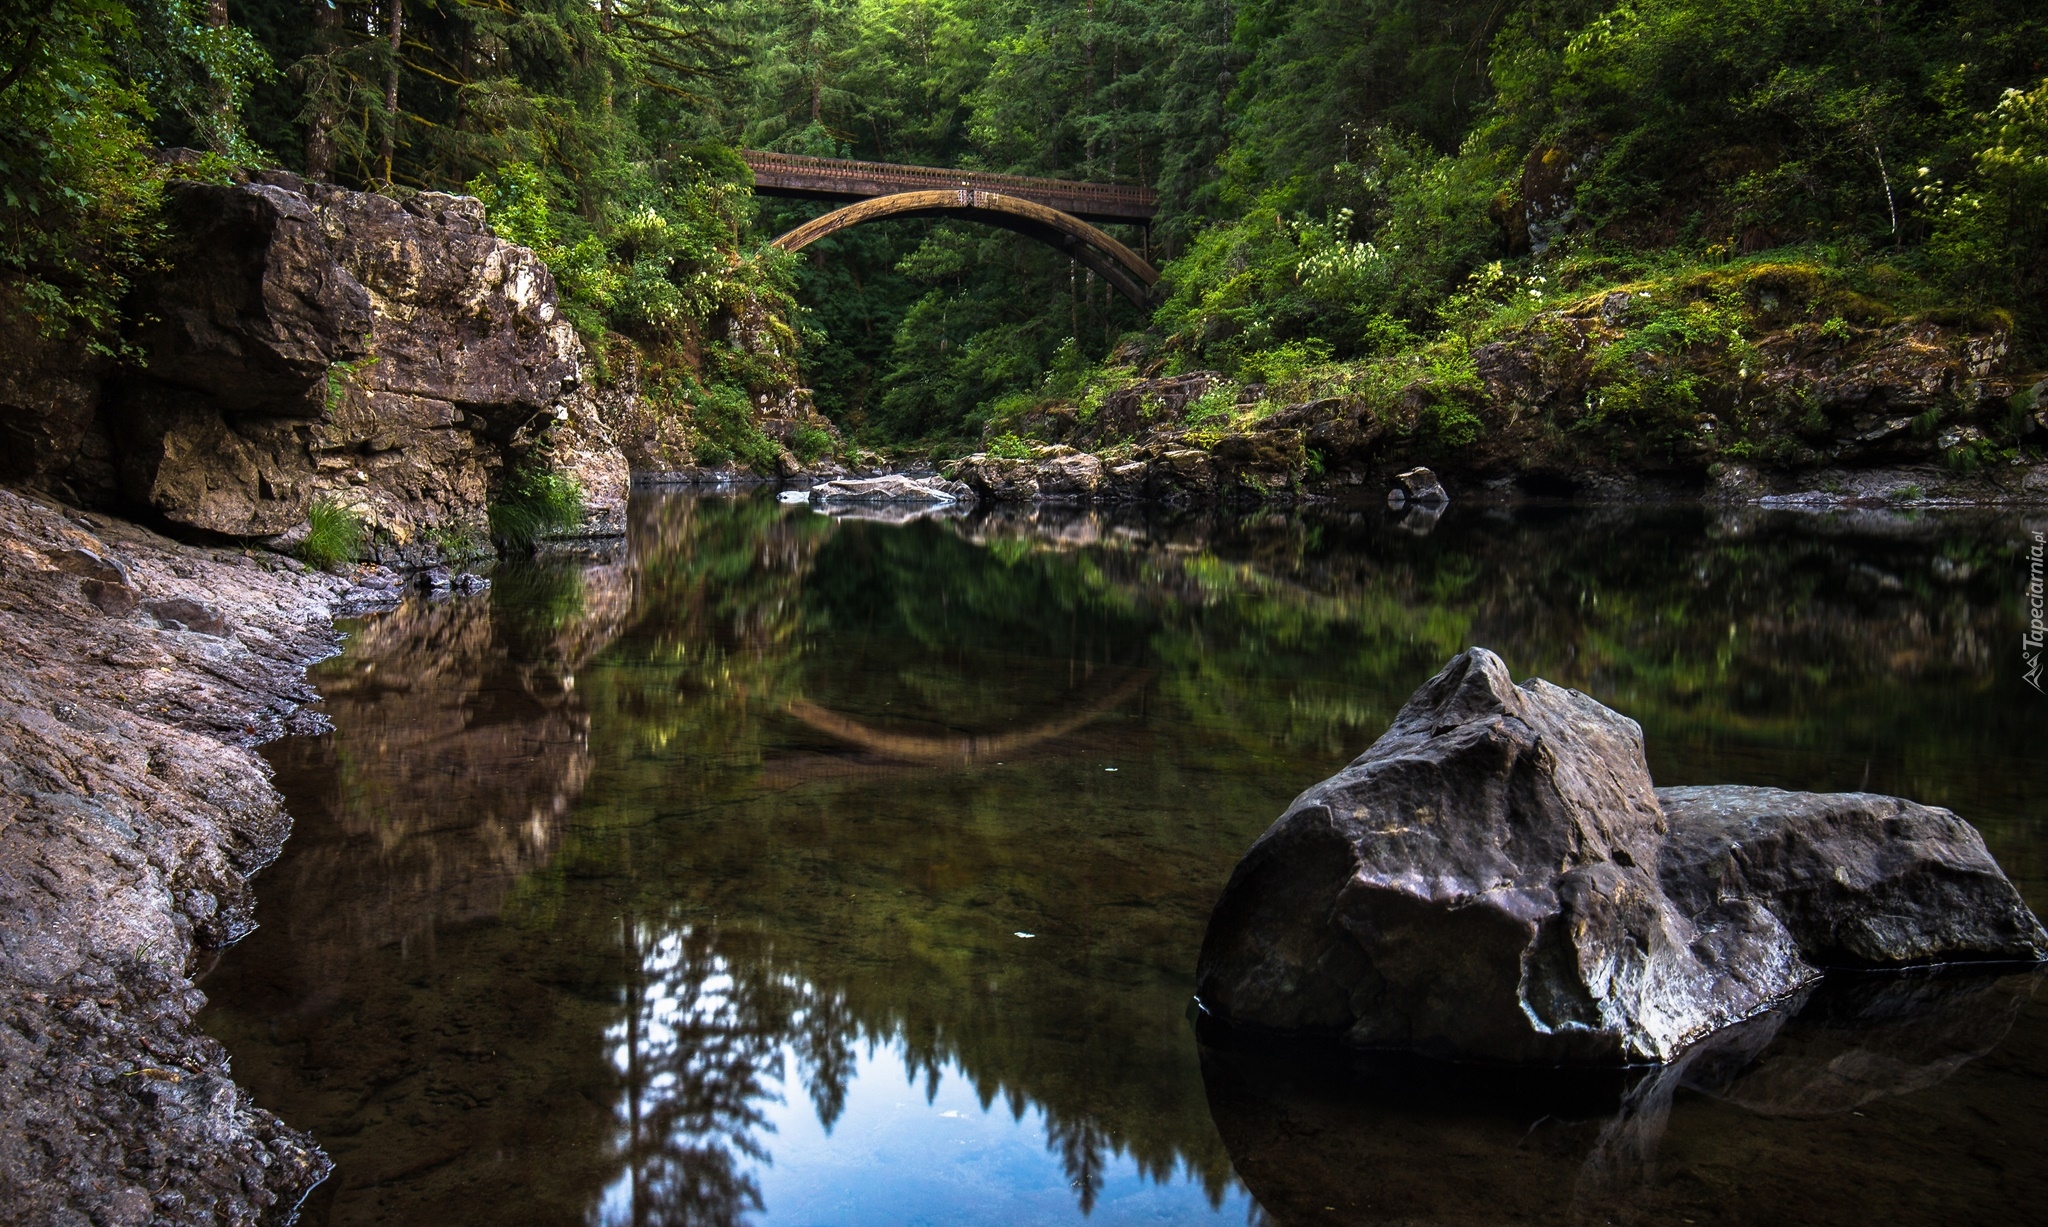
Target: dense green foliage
1338, 181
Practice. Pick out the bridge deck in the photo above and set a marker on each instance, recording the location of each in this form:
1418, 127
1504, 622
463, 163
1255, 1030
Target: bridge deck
802, 178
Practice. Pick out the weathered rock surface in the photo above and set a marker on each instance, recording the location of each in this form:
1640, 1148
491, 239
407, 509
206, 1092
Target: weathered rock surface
1496, 878
892, 488
133, 809
1857, 880
304, 342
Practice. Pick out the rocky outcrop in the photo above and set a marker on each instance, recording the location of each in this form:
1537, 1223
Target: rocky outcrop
133, 809
1826, 397
1496, 878
302, 343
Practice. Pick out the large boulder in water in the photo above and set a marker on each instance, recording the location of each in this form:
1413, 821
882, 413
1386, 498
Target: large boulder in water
1496, 878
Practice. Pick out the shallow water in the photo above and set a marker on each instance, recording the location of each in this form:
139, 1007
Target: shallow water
780, 869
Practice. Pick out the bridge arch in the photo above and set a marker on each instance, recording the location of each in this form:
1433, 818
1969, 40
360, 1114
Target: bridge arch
1098, 251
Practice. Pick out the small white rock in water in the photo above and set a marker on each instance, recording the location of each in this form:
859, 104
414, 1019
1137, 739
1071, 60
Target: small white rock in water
1109, 768
793, 496
892, 488
1022, 933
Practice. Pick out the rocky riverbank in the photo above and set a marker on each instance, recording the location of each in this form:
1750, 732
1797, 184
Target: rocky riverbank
1767, 386
141, 674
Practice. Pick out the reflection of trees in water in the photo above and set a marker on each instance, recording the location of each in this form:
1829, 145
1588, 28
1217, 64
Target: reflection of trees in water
708, 1038
692, 1052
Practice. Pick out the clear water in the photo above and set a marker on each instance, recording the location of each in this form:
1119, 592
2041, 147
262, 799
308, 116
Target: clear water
787, 870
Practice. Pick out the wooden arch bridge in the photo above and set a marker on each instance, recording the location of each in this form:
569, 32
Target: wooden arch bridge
1056, 212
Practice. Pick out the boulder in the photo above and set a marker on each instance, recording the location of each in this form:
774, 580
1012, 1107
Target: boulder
999, 479
251, 308
1071, 476
1497, 878
891, 488
50, 432
1857, 880
1418, 485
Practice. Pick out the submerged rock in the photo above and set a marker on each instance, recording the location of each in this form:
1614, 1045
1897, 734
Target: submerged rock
891, 488
1497, 878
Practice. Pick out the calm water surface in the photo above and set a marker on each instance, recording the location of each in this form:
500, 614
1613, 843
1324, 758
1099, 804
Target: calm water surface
781, 869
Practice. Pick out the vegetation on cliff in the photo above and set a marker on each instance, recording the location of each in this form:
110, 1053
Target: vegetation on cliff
1346, 191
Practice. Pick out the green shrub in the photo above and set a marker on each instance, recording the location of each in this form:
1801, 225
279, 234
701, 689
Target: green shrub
533, 505
1215, 405
1009, 447
810, 442
333, 534
458, 545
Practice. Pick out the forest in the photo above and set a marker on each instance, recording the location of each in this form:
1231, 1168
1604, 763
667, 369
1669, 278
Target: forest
1344, 188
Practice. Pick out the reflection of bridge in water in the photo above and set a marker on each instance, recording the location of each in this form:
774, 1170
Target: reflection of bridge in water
1056, 212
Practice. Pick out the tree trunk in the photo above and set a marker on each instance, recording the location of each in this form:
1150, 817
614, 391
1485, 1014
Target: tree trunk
320, 129
396, 21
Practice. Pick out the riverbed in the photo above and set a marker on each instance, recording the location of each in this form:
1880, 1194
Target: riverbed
777, 868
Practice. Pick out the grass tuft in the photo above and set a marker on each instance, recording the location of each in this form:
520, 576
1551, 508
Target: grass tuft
334, 534
534, 505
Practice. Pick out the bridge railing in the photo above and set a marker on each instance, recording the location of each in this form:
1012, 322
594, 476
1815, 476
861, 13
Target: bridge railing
851, 179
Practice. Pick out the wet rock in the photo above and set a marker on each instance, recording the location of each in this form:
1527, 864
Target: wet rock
469, 583
435, 581
1492, 879
893, 488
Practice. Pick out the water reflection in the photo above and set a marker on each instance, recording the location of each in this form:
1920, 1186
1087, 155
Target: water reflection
687, 887
1331, 1137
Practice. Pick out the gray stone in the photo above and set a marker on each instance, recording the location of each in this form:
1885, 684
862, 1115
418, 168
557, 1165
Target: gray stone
1496, 878
1857, 879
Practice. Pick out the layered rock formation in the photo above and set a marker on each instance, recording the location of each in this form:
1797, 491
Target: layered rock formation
304, 342
133, 810
1496, 878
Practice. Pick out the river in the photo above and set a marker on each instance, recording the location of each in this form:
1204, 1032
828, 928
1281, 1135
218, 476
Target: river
783, 869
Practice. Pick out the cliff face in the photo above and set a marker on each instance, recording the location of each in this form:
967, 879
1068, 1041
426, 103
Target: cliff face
307, 343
